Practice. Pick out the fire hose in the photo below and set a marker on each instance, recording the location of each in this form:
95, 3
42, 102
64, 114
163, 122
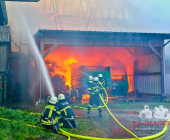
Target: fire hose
105, 105
100, 97
95, 138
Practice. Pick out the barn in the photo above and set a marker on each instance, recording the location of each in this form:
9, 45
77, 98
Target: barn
137, 57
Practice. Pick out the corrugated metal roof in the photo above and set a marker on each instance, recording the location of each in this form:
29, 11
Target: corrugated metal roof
5, 34
106, 34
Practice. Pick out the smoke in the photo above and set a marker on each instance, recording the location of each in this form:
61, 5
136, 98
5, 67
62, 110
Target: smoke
34, 47
149, 15
131, 15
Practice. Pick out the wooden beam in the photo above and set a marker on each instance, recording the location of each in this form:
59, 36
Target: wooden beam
155, 51
50, 50
129, 51
16, 45
76, 41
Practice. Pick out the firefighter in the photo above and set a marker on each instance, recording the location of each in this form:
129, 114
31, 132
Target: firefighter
94, 97
90, 84
51, 114
104, 84
68, 117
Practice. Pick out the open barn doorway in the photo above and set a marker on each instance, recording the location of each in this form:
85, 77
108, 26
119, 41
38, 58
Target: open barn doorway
69, 67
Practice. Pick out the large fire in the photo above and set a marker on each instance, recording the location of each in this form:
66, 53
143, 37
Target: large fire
63, 57
63, 69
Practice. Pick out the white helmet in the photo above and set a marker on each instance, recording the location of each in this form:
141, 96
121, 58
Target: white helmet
96, 79
100, 75
90, 77
61, 97
53, 100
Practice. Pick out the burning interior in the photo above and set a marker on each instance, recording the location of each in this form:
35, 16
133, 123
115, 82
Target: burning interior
130, 65
68, 64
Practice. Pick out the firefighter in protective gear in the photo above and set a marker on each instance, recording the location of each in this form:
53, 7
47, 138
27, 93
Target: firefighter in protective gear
68, 116
51, 114
94, 96
103, 82
90, 84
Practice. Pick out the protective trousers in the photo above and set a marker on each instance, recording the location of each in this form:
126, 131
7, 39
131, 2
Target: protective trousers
51, 124
68, 122
102, 92
94, 98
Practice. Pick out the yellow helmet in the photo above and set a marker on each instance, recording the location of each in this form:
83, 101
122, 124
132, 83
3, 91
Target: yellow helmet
61, 97
100, 75
53, 100
90, 77
96, 79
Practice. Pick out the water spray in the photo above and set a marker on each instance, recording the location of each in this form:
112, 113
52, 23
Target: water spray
36, 52
84, 73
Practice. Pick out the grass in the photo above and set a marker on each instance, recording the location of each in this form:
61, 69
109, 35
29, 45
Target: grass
16, 129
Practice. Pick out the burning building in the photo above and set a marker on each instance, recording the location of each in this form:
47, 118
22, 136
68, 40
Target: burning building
137, 56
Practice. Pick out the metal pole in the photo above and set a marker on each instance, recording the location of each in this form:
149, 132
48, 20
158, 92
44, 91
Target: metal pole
41, 77
163, 70
162, 74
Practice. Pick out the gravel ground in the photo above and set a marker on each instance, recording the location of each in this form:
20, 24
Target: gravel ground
128, 119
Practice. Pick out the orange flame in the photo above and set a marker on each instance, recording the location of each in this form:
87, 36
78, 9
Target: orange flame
64, 69
117, 57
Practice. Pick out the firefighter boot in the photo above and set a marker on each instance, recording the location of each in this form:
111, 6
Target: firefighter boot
100, 112
56, 127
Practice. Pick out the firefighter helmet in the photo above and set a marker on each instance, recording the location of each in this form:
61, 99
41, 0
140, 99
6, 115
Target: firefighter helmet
53, 100
100, 75
96, 79
90, 77
61, 97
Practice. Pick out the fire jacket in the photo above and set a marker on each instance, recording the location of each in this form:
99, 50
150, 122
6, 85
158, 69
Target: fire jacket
90, 86
51, 114
65, 109
95, 87
103, 82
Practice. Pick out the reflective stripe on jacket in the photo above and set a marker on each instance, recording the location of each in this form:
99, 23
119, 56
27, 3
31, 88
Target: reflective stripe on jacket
90, 86
65, 109
51, 114
95, 88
